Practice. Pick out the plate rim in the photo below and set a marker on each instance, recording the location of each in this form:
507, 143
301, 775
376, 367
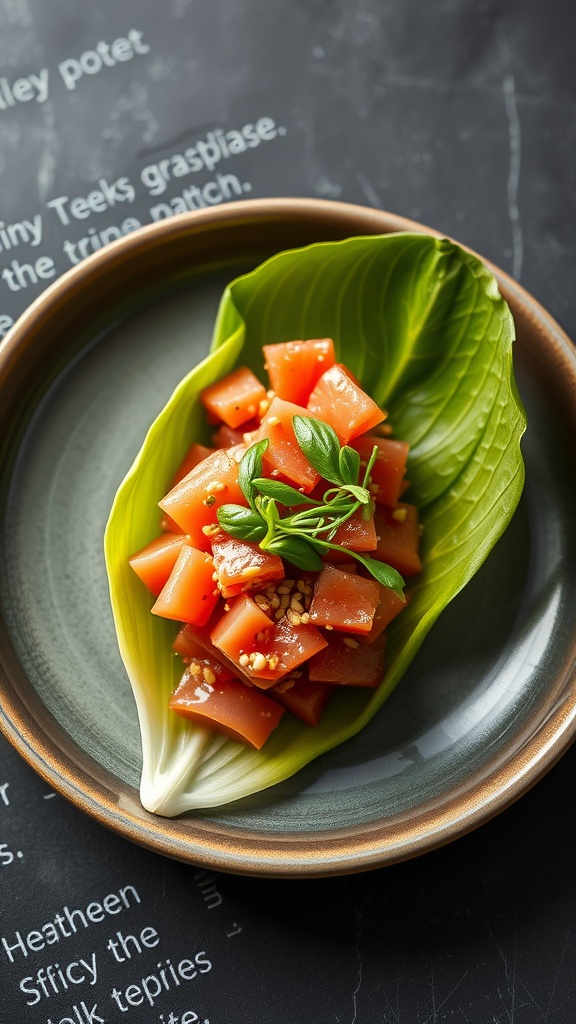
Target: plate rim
223, 848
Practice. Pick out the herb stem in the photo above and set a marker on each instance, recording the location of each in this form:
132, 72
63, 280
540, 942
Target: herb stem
318, 523
369, 466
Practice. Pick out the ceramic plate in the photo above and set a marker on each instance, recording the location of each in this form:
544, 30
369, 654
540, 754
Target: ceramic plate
488, 703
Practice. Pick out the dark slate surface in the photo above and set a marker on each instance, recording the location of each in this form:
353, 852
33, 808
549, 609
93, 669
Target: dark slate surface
461, 115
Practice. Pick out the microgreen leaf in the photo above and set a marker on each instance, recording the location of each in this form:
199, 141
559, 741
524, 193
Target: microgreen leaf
250, 466
319, 443
242, 523
382, 572
360, 493
283, 493
297, 551
349, 463
269, 511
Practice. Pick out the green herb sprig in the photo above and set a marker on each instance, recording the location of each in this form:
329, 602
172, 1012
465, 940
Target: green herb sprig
301, 537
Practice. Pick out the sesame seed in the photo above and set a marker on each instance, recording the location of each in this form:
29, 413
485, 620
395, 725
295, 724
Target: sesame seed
399, 514
304, 618
209, 676
244, 660
278, 613
259, 662
211, 529
215, 486
350, 642
283, 589
273, 421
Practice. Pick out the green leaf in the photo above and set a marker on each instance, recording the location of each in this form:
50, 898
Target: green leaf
420, 323
320, 445
269, 511
297, 551
360, 493
240, 522
385, 574
251, 466
349, 464
283, 493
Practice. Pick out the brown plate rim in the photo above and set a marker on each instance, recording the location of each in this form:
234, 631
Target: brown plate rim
238, 850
